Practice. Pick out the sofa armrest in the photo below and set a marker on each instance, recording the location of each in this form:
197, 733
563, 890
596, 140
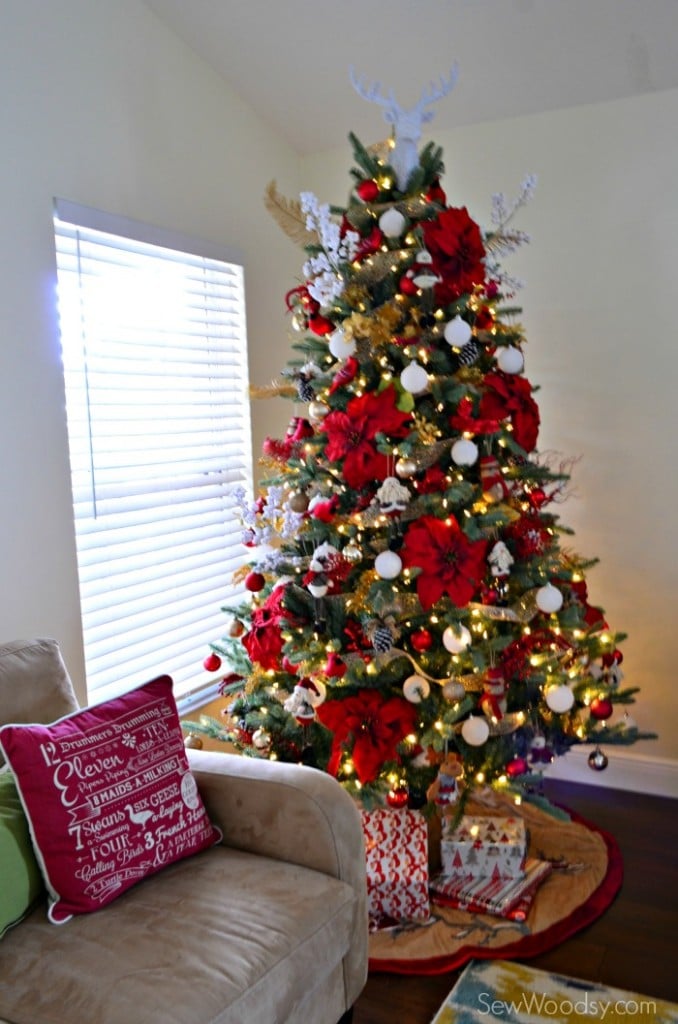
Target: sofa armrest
296, 814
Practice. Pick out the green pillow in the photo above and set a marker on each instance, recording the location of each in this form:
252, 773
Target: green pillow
21, 878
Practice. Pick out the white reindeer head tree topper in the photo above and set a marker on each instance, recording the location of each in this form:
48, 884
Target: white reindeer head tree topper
407, 123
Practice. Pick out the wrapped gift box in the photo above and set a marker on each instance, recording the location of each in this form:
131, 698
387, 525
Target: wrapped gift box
396, 844
484, 847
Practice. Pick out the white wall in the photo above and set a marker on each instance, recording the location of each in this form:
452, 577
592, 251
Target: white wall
102, 105
599, 313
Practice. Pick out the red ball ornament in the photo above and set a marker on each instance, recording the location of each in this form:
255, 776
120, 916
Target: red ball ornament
320, 325
254, 581
368, 190
518, 766
600, 708
614, 658
212, 662
537, 497
407, 286
335, 667
397, 798
421, 639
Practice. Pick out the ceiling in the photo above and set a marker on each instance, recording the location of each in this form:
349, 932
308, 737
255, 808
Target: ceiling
289, 59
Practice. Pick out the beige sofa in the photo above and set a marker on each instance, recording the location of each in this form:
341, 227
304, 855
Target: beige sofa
268, 927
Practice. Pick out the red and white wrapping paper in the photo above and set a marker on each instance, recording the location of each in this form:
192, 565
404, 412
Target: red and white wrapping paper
484, 847
396, 843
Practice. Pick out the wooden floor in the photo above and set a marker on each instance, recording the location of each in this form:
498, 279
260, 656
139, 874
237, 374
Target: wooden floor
633, 946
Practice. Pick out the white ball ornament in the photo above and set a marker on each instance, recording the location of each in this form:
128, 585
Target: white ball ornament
475, 731
388, 565
416, 689
457, 332
456, 639
339, 345
549, 599
560, 699
464, 452
392, 223
414, 378
510, 359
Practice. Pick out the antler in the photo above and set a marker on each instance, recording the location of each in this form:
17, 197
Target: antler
436, 92
372, 94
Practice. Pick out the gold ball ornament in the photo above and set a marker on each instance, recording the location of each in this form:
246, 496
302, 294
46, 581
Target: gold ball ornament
405, 467
352, 552
317, 411
298, 502
193, 742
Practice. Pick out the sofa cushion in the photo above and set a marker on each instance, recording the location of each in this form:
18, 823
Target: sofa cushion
21, 879
108, 795
34, 683
226, 937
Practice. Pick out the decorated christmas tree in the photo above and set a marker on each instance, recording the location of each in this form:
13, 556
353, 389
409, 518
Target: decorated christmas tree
417, 624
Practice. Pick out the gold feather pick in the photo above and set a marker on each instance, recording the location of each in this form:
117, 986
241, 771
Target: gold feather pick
276, 389
288, 215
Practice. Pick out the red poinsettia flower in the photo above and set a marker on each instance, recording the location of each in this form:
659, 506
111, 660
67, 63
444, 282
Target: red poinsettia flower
350, 435
264, 642
373, 724
450, 563
456, 245
509, 396
593, 617
464, 420
434, 480
435, 193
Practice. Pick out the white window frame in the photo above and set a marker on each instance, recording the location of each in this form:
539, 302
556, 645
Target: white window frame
126, 507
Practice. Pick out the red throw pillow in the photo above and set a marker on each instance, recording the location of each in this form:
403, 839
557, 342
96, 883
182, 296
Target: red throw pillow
108, 795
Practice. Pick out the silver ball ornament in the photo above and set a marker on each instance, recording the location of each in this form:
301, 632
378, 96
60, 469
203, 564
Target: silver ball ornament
453, 690
597, 760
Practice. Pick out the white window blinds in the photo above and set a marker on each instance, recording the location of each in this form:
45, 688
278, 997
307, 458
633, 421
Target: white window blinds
155, 365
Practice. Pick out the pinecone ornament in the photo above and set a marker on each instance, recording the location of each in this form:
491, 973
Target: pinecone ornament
468, 355
305, 389
382, 639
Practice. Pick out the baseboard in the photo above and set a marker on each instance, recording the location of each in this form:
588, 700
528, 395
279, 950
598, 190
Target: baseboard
634, 772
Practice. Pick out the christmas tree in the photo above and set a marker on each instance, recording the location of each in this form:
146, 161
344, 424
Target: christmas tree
416, 624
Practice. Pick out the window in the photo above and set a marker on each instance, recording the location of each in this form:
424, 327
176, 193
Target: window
155, 365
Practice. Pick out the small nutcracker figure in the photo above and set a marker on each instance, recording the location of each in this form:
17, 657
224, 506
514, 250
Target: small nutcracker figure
493, 700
